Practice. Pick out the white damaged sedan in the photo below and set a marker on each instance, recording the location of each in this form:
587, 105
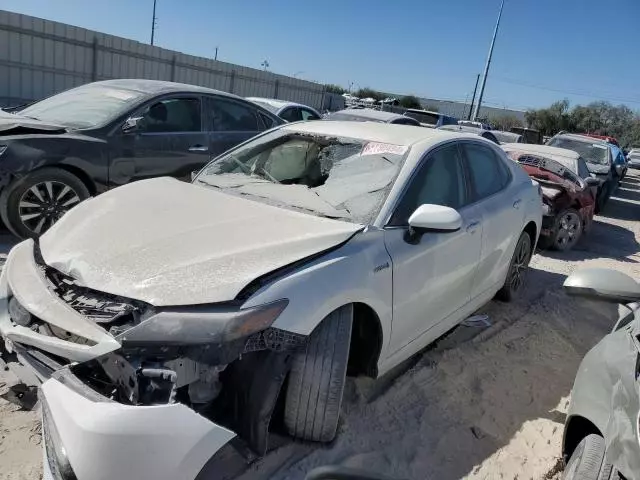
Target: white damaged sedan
164, 319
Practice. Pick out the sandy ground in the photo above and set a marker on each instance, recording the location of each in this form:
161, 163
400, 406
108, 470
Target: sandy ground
481, 404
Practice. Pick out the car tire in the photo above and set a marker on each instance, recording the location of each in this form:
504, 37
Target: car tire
587, 461
47, 193
317, 378
517, 269
567, 230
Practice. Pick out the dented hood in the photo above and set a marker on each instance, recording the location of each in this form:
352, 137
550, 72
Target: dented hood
167, 242
14, 122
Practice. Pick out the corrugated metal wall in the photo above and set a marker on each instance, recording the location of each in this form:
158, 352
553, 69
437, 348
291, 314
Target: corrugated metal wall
40, 57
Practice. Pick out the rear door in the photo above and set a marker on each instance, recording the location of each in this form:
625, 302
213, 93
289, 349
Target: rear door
502, 213
433, 278
166, 139
229, 122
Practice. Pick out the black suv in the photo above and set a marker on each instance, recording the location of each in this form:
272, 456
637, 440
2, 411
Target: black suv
59, 151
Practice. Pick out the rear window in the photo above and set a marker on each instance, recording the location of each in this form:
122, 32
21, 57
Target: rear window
424, 117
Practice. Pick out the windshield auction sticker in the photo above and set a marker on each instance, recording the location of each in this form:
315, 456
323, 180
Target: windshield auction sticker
374, 148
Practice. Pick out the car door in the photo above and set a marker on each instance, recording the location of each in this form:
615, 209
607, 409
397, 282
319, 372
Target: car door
432, 278
502, 213
164, 137
229, 122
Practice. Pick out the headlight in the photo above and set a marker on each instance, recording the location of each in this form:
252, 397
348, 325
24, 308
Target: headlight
3, 148
56, 453
204, 324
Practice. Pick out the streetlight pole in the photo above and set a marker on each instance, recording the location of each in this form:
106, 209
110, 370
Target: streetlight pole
476, 111
473, 99
153, 22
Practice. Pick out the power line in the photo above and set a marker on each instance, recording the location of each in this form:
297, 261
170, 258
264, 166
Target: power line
583, 93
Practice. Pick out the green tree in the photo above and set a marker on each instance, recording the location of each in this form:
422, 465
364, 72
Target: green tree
410, 101
332, 88
369, 93
505, 122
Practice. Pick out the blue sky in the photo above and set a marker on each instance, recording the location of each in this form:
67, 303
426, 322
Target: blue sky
546, 50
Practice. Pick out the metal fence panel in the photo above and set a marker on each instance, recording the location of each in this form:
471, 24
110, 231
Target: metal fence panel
40, 57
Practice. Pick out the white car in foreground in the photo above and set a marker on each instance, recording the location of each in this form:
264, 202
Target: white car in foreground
164, 317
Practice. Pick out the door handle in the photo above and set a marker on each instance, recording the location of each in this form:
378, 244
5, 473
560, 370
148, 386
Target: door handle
198, 148
516, 204
472, 227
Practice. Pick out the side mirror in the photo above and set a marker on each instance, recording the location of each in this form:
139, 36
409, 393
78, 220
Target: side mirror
592, 182
432, 218
131, 124
194, 174
603, 284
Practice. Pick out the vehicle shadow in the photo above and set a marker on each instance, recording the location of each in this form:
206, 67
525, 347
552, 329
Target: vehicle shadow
624, 203
466, 397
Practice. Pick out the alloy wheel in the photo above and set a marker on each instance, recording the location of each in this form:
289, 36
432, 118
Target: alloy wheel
568, 230
520, 263
44, 203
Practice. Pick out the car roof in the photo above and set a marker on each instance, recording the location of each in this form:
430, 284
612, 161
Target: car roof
464, 128
406, 135
274, 102
542, 150
583, 138
417, 110
372, 114
159, 86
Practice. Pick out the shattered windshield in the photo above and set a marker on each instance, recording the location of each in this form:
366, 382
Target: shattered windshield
591, 152
83, 107
343, 178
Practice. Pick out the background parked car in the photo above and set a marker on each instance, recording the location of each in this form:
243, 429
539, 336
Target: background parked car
289, 111
488, 134
60, 150
633, 158
530, 135
599, 158
371, 115
507, 137
430, 119
569, 201
471, 123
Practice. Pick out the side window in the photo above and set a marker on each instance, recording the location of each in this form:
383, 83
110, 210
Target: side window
308, 114
583, 170
438, 181
291, 114
171, 115
267, 121
488, 176
228, 116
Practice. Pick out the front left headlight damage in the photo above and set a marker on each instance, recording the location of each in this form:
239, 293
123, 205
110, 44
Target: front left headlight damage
195, 356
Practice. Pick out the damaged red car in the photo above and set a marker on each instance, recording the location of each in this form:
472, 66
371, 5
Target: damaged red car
568, 192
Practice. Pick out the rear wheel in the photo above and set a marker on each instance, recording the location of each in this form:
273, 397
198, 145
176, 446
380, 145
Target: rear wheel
517, 269
32, 204
317, 378
587, 461
568, 230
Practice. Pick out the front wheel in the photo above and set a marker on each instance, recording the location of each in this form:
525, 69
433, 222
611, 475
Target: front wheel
587, 461
32, 204
317, 378
568, 230
517, 269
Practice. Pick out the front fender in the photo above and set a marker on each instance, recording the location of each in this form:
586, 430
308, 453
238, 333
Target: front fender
359, 271
605, 392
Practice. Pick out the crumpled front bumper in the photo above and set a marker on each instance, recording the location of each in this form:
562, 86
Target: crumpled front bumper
106, 440
22, 278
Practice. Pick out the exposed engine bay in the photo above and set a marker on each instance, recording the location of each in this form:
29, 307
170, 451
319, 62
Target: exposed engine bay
223, 362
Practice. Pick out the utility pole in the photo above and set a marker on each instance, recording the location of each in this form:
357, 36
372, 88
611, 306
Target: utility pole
153, 22
216, 56
486, 67
473, 99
